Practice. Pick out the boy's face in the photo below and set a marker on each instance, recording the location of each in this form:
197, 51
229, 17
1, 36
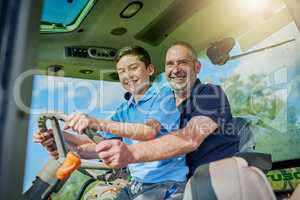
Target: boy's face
133, 74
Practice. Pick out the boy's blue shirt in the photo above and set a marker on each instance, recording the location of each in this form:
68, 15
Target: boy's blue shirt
159, 104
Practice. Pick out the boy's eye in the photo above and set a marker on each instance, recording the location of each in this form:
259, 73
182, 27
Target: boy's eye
134, 67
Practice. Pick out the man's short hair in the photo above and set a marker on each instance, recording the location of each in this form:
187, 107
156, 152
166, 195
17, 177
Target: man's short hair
138, 51
186, 45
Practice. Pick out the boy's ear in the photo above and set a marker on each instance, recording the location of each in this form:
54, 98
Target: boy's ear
151, 69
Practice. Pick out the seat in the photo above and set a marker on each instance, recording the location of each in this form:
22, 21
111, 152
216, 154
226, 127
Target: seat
242, 128
296, 193
228, 179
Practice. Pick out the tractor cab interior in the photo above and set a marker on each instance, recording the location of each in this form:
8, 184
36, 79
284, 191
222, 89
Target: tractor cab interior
250, 47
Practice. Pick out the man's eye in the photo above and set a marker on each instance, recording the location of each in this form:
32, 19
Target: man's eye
182, 62
169, 64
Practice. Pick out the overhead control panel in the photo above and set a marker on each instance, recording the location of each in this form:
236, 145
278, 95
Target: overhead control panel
101, 53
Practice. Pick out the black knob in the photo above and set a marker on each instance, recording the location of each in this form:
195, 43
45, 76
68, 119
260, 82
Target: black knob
93, 52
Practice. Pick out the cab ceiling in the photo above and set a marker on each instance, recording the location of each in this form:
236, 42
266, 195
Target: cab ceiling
158, 24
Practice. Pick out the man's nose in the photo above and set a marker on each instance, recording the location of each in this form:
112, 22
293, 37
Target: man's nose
176, 69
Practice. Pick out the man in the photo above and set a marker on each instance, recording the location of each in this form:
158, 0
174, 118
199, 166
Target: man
140, 118
204, 133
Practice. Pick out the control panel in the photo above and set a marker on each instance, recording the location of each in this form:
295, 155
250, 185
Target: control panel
101, 53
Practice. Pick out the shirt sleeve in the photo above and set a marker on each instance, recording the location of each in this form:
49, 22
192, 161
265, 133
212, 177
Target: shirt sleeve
212, 102
164, 111
117, 117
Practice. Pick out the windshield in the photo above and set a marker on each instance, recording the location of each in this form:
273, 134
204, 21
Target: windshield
264, 88
63, 15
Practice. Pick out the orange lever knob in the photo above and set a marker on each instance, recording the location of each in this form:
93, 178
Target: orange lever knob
71, 163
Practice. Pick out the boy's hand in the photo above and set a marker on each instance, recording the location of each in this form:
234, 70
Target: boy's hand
46, 139
79, 122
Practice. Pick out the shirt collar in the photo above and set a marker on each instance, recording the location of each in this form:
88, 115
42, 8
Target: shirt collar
150, 92
196, 86
195, 90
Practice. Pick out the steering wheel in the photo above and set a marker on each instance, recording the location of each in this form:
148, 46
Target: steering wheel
60, 143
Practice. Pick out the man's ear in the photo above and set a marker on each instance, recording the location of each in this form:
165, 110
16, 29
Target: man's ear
151, 69
197, 66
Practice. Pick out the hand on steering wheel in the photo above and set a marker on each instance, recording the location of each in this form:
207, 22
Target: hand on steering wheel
79, 122
46, 139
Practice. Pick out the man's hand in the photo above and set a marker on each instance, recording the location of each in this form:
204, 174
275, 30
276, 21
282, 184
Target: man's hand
79, 122
114, 153
47, 140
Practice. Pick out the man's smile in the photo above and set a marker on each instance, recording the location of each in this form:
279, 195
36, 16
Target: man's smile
178, 77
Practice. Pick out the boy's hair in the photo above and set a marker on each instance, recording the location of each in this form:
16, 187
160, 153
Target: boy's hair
138, 51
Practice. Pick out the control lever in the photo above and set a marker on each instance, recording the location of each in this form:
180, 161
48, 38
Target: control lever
55, 173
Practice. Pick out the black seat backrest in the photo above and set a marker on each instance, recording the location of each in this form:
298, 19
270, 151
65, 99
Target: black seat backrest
242, 128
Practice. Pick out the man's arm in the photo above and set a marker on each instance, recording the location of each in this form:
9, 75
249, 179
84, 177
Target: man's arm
177, 143
78, 143
81, 144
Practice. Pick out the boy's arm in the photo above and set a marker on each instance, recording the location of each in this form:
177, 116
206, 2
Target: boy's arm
79, 122
133, 131
76, 139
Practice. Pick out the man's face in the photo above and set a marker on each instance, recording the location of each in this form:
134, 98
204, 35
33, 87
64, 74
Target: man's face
181, 68
133, 74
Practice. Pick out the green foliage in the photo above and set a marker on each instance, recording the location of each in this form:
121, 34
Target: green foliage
253, 97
